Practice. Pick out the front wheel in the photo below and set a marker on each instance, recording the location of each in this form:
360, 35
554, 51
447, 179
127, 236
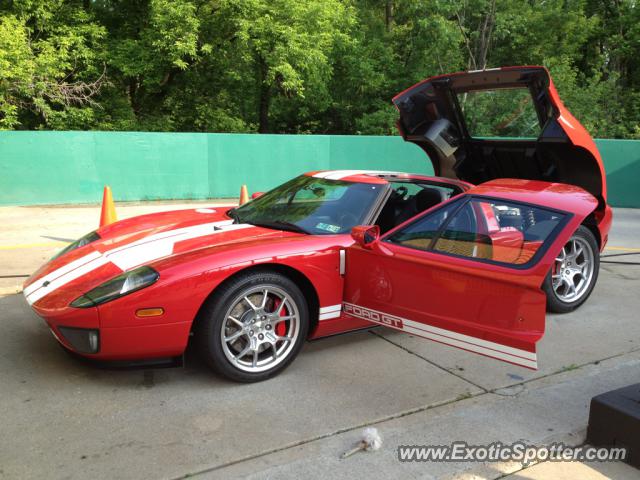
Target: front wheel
253, 327
574, 273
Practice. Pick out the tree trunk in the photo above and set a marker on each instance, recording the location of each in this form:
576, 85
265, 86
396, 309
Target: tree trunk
134, 95
486, 33
388, 10
264, 100
263, 113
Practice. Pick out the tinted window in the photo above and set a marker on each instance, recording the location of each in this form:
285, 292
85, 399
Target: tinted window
492, 230
505, 112
421, 233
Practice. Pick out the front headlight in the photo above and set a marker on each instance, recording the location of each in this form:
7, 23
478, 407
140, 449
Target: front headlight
81, 242
117, 287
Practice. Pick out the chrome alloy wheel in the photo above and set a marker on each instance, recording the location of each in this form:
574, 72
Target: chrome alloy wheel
573, 270
260, 328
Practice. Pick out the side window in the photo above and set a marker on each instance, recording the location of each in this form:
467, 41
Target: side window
409, 189
421, 233
445, 192
408, 199
462, 235
486, 229
406, 189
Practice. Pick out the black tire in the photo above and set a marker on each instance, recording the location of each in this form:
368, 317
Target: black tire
208, 333
555, 302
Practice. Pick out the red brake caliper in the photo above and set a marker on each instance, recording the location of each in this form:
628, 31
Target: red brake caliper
281, 328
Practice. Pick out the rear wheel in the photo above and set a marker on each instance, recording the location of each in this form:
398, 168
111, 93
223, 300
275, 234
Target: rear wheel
253, 327
574, 273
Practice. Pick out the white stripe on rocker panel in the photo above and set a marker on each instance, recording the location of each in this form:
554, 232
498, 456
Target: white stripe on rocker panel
466, 342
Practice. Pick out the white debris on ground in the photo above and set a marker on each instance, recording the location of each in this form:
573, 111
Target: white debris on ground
371, 440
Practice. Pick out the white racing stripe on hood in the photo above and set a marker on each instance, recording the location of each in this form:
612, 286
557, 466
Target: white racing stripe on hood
61, 271
148, 249
125, 257
64, 279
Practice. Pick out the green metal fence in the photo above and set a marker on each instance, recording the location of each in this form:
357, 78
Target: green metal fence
72, 167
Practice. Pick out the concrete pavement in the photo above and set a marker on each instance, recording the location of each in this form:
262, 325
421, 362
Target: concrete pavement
62, 418
29, 236
551, 409
574, 470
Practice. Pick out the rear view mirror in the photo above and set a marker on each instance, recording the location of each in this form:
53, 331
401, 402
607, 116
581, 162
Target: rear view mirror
365, 235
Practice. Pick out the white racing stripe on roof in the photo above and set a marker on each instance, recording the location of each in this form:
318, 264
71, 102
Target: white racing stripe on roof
125, 257
340, 174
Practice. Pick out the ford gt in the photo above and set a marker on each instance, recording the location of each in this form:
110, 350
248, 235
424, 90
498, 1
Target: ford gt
510, 226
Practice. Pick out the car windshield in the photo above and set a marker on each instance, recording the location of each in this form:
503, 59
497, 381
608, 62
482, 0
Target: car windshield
311, 205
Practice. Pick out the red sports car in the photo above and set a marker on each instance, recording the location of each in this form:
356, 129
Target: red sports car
334, 251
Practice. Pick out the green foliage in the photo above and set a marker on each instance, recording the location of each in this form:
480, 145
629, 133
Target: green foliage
50, 64
507, 113
285, 66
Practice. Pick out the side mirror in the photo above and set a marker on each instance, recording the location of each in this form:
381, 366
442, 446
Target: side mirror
256, 195
365, 235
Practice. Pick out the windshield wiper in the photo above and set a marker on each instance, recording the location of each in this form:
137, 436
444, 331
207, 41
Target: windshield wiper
280, 225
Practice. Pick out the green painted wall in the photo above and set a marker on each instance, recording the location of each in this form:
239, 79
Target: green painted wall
72, 167
622, 164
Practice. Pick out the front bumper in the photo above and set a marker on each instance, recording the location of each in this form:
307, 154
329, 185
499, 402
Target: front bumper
80, 330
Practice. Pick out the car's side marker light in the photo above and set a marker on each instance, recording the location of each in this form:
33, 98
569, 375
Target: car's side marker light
149, 312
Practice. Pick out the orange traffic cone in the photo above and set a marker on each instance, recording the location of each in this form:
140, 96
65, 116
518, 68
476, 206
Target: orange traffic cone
108, 213
244, 195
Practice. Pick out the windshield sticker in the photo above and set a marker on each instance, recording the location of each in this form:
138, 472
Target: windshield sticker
327, 227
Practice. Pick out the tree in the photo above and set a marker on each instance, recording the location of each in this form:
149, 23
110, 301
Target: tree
50, 64
285, 66
287, 45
